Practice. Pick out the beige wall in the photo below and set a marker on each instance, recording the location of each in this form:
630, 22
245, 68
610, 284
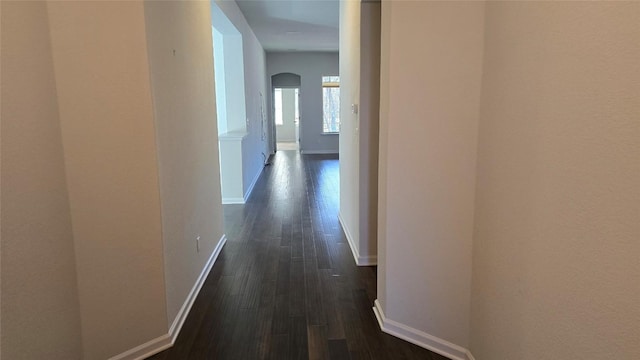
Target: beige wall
360, 85
349, 127
430, 97
556, 265
369, 121
184, 103
555, 262
383, 149
39, 295
87, 162
103, 86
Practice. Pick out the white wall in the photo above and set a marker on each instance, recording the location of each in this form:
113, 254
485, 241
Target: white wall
185, 120
311, 66
39, 294
235, 92
255, 145
556, 265
429, 114
220, 80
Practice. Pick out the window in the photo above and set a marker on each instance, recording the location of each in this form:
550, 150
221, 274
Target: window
331, 104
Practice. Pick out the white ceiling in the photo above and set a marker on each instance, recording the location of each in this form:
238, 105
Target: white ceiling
293, 25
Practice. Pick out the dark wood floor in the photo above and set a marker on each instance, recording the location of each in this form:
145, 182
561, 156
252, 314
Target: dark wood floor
285, 286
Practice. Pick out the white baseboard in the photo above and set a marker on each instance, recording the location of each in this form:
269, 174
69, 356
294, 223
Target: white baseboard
147, 349
176, 326
317, 152
235, 200
369, 260
167, 340
253, 184
420, 338
243, 200
469, 356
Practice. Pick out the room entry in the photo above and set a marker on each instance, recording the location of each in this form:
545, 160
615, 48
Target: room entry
285, 102
287, 118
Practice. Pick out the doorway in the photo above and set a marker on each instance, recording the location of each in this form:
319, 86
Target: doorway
287, 118
285, 106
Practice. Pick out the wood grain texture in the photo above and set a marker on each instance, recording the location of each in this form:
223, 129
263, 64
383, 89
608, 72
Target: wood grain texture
285, 286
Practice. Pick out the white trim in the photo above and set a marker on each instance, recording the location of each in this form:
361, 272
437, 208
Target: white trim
147, 349
253, 184
420, 338
317, 152
360, 260
243, 200
469, 356
232, 200
175, 328
167, 340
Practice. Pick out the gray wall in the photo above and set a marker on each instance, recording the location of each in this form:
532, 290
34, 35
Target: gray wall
311, 66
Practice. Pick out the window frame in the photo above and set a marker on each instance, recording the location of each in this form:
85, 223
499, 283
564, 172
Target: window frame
330, 84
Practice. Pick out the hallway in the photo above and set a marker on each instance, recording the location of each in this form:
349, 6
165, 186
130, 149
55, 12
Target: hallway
285, 286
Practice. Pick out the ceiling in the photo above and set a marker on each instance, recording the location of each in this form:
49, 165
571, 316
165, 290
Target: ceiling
290, 25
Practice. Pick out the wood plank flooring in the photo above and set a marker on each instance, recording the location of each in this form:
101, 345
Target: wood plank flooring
286, 286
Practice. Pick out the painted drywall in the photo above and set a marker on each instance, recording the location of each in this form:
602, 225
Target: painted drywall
185, 121
349, 127
236, 110
429, 117
385, 46
360, 86
104, 98
220, 79
255, 149
369, 123
287, 131
229, 62
39, 294
311, 66
556, 262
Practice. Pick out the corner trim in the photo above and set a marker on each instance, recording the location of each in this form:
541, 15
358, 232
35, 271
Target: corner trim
175, 328
147, 349
252, 185
317, 152
370, 260
166, 341
233, 200
420, 338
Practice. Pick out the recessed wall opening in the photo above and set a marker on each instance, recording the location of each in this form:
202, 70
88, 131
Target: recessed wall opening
230, 103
